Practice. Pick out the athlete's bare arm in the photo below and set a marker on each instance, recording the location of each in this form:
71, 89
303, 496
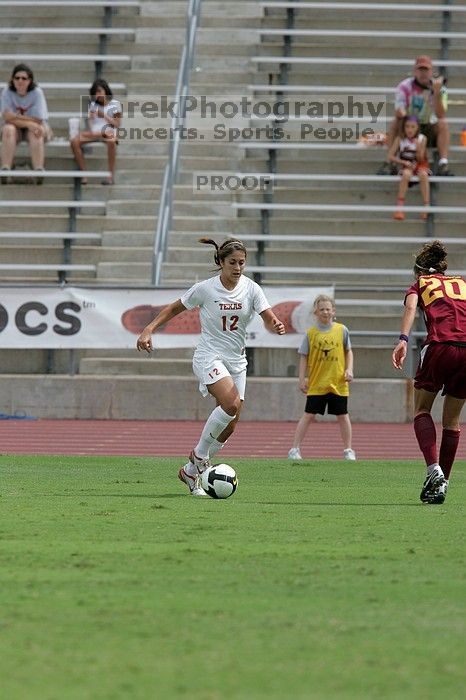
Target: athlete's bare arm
272, 323
144, 342
400, 351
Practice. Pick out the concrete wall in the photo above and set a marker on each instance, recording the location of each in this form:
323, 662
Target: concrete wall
177, 398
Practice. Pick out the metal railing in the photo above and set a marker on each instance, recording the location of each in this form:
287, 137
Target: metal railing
177, 125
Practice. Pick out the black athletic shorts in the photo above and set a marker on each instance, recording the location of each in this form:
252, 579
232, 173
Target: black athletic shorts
335, 405
430, 132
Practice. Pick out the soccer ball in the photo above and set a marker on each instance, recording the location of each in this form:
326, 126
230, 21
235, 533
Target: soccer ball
219, 481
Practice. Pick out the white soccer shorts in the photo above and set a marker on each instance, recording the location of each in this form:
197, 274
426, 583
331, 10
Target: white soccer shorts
210, 369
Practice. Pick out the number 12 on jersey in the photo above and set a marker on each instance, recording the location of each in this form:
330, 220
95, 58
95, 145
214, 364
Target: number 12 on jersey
230, 324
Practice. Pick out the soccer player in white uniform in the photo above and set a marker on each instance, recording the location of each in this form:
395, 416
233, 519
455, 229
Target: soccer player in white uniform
227, 303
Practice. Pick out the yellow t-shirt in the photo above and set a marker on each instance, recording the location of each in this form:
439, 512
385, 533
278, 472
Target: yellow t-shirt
326, 361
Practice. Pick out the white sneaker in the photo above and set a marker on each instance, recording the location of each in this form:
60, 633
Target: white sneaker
200, 464
192, 482
431, 484
294, 454
349, 454
440, 493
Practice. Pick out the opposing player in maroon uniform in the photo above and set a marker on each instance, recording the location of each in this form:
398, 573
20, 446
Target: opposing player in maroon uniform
442, 365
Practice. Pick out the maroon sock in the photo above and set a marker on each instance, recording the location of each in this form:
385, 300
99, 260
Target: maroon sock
426, 436
448, 447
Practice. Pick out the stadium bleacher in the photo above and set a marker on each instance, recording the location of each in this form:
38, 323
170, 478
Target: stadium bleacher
328, 217
328, 191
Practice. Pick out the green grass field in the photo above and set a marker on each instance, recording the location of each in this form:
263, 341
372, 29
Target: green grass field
319, 580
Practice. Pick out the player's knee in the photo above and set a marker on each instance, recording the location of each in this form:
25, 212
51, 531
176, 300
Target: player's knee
232, 406
8, 131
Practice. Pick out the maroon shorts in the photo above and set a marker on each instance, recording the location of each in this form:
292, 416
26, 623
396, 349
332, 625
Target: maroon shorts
442, 367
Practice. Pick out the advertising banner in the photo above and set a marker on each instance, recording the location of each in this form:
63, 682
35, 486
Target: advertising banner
77, 317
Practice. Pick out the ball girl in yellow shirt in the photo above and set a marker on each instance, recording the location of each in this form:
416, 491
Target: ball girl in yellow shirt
325, 371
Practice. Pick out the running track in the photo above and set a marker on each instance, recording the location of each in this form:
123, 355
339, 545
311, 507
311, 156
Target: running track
173, 438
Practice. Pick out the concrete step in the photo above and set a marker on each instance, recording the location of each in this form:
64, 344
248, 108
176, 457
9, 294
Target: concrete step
57, 190
41, 277
321, 255
132, 353
369, 361
130, 239
50, 240
375, 361
344, 166
137, 273
213, 9
208, 22
291, 215
327, 193
128, 254
42, 43
209, 223
378, 244
151, 193
130, 223
325, 74
181, 273
48, 254
140, 207
18, 221
348, 45
35, 361
319, 225
137, 366
340, 225
12, 16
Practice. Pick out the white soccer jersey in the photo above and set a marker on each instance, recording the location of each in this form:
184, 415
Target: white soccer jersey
225, 314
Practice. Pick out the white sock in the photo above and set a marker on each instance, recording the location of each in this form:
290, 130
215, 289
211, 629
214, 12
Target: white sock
431, 468
190, 469
215, 424
215, 447
443, 161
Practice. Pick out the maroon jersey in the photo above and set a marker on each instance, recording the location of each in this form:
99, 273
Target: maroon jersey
443, 302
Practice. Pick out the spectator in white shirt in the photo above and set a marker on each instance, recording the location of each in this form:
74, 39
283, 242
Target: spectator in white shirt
24, 112
104, 117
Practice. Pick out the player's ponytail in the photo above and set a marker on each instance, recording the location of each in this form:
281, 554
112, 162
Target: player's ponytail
227, 248
210, 241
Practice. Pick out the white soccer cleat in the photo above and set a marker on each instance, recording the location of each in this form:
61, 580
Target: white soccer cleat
200, 464
349, 454
432, 482
294, 454
439, 495
192, 482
